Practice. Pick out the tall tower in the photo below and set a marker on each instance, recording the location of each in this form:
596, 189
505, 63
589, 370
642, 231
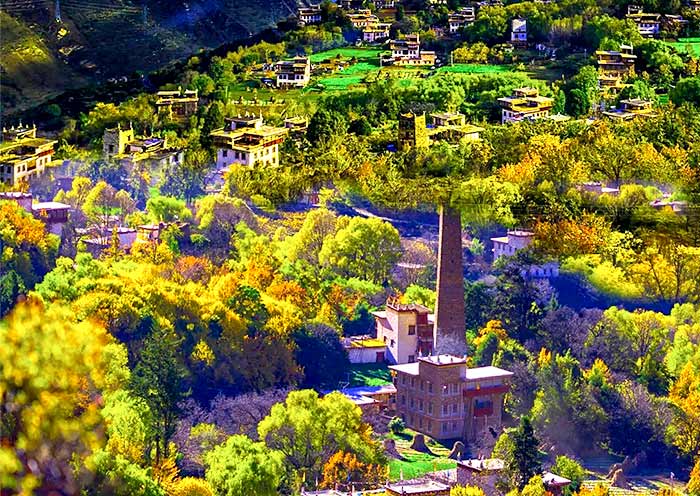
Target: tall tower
449, 332
413, 132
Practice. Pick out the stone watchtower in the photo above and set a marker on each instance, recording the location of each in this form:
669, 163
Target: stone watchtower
114, 141
449, 332
413, 132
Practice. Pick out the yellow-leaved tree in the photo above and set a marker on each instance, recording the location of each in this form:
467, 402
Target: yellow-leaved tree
53, 372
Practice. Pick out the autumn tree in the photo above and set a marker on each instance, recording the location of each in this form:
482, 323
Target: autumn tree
53, 371
344, 470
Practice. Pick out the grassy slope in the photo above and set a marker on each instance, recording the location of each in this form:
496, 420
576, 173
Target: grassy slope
30, 69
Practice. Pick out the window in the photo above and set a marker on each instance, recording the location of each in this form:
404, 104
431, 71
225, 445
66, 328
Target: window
454, 408
420, 405
444, 427
393, 343
225, 153
430, 425
430, 387
403, 399
420, 423
412, 403
445, 390
444, 409
430, 408
411, 330
454, 426
422, 385
413, 382
403, 379
411, 359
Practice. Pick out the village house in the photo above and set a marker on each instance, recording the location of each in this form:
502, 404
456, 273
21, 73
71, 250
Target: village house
54, 215
414, 132
516, 240
297, 125
123, 237
384, 4
407, 51
631, 109
23, 155
648, 24
309, 15
405, 329
485, 473
518, 33
365, 349
376, 33
417, 487
177, 105
362, 18
441, 397
598, 188
247, 141
152, 154
451, 127
525, 103
614, 67
294, 73
460, 19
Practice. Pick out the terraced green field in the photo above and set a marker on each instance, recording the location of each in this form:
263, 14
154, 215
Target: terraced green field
474, 69
686, 45
347, 52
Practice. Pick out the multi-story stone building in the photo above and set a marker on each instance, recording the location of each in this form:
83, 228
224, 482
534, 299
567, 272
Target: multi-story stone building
376, 33
152, 153
247, 141
443, 398
178, 105
518, 32
631, 109
23, 155
406, 330
413, 131
614, 67
516, 240
362, 18
525, 103
460, 19
407, 51
309, 15
294, 73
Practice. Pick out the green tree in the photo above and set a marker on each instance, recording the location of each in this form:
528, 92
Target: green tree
526, 456
687, 90
167, 209
365, 248
570, 469
324, 124
240, 466
158, 378
307, 430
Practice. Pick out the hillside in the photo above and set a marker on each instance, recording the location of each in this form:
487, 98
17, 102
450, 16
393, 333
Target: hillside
97, 40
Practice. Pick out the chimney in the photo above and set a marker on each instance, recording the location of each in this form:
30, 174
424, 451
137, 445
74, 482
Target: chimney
449, 332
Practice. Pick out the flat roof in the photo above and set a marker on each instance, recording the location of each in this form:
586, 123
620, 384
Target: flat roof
367, 343
488, 372
406, 368
443, 360
483, 464
550, 479
50, 206
411, 487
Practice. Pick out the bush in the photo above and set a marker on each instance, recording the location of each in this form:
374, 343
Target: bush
397, 425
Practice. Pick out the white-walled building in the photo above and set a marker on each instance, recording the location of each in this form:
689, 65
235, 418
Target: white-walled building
406, 330
294, 73
247, 141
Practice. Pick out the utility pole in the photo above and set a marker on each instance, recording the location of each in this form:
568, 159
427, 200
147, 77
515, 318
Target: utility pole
57, 13
145, 13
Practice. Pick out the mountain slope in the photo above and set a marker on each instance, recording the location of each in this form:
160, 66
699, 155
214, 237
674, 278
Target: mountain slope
100, 39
